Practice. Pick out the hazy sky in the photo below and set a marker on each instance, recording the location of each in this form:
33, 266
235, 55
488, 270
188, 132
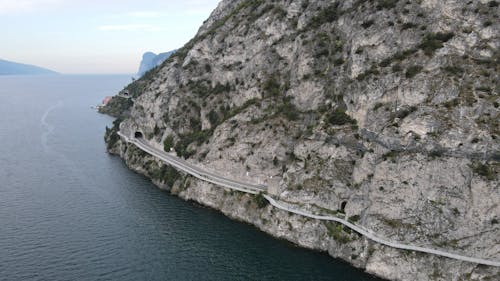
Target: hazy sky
96, 36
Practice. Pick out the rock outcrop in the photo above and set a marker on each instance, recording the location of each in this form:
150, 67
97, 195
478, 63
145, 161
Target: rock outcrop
386, 111
151, 60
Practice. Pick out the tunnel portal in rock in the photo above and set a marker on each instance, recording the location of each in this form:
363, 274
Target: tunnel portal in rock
342, 206
138, 135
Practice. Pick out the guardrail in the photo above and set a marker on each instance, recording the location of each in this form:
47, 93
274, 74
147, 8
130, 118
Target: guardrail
252, 189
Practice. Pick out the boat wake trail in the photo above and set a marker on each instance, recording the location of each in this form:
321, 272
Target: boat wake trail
47, 128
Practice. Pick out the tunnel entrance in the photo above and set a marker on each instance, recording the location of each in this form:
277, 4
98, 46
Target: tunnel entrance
342, 206
138, 135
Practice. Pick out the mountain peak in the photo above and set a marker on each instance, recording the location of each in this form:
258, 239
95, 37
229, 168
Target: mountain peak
151, 60
14, 68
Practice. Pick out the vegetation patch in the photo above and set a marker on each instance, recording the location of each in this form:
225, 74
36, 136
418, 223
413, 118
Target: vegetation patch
168, 143
260, 200
202, 88
272, 87
484, 170
378, 105
391, 155
372, 71
434, 41
336, 231
354, 218
111, 136
213, 117
455, 70
387, 4
367, 23
117, 107
408, 25
327, 15
484, 89
394, 223
167, 174
412, 71
289, 110
339, 117
198, 137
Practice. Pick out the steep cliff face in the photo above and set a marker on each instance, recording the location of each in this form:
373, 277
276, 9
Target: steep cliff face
384, 110
151, 60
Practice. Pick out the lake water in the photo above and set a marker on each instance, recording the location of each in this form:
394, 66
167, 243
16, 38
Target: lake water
70, 211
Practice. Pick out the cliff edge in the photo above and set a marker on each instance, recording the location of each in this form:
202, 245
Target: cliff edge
384, 111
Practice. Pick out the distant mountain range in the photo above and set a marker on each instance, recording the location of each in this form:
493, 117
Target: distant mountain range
150, 60
14, 68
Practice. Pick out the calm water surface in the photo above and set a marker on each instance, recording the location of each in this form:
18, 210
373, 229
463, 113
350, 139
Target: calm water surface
69, 211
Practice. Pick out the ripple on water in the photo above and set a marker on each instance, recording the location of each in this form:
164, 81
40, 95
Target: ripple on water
69, 211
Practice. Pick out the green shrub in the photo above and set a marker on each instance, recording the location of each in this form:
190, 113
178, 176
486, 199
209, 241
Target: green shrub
412, 71
394, 223
198, 137
354, 218
195, 123
339, 61
168, 143
390, 155
117, 107
339, 117
452, 103
436, 153
434, 41
408, 25
336, 231
289, 110
111, 136
367, 23
156, 130
386, 62
372, 71
455, 70
272, 87
378, 105
400, 56
329, 14
219, 88
387, 4
213, 117
167, 174
484, 170
484, 89
397, 68
199, 88
260, 200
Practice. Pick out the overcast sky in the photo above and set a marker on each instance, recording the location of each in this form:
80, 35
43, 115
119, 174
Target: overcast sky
96, 36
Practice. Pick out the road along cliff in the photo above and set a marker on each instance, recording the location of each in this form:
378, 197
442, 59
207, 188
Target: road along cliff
381, 112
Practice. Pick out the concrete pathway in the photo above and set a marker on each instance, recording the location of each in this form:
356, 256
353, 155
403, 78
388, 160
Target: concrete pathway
255, 189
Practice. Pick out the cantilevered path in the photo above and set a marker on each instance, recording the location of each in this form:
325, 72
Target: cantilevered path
255, 189
195, 170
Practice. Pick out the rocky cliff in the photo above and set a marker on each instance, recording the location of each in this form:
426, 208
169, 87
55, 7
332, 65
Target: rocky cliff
151, 60
383, 111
